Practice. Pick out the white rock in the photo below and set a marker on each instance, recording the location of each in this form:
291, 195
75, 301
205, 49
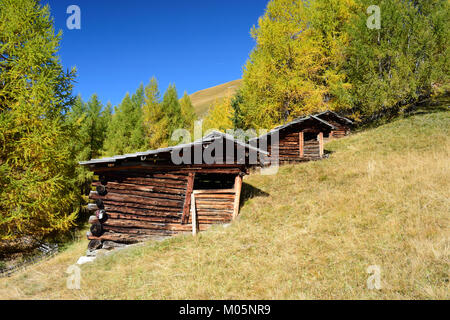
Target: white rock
84, 259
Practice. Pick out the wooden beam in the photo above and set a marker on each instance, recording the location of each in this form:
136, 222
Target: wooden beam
300, 143
194, 215
210, 168
187, 199
213, 191
237, 195
320, 136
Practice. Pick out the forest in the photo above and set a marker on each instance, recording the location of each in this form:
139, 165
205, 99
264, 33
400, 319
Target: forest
308, 57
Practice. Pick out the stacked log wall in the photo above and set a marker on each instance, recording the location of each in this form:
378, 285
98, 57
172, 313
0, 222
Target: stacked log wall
142, 205
139, 206
289, 148
213, 207
311, 149
341, 131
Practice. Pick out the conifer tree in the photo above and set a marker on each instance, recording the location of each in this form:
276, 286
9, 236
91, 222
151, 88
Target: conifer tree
153, 115
38, 194
172, 109
292, 69
219, 116
163, 117
399, 63
187, 112
125, 133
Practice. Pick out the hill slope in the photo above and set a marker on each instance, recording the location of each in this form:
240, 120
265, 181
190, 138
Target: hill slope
311, 231
204, 98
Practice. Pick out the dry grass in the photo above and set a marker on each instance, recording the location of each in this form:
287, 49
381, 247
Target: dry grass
380, 199
202, 100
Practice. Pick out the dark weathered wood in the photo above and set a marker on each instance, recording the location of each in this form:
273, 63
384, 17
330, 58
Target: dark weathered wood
96, 229
136, 199
187, 199
144, 167
94, 244
101, 190
144, 210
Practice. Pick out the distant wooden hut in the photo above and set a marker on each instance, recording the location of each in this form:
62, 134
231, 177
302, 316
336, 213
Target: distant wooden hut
343, 125
298, 140
146, 194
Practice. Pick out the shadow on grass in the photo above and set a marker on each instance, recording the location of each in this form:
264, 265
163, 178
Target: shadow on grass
426, 106
249, 192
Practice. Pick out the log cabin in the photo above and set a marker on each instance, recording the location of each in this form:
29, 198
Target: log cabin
298, 140
343, 125
168, 191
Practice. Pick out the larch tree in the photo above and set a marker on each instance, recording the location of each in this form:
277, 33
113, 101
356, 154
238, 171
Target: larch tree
187, 112
163, 117
126, 132
399, 63
89, 122
38, 194
153, 116
219, 116
290, 71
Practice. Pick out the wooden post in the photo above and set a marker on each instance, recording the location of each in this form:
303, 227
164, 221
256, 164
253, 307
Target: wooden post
194, 215
321, 143
187, 199
300, 143
237, 195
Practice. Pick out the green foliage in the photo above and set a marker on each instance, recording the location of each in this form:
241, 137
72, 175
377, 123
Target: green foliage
38, 189
288, 72
152, 114
220, 116
126, 132
89, 122
172, 110
317, 55
163, 117
187, 112
238, 117
400, 62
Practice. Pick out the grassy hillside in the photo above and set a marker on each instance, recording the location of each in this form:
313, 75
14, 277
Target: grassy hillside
311, 231
204, 98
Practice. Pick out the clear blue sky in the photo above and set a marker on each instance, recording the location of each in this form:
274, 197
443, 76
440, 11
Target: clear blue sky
194, 44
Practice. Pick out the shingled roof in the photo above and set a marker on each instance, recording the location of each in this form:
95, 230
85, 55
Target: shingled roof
344, 119
296, 121
210, 138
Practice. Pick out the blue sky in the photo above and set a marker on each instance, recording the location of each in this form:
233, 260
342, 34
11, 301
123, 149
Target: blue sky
194, 44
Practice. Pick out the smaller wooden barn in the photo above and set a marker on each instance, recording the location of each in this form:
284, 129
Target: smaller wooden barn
343, 125
298, 140
163, 192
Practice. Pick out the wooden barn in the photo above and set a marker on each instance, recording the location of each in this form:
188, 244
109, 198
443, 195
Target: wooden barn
343, 125
154, 194
298, 140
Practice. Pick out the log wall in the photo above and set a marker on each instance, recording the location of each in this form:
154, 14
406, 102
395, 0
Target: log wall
292, 148
142, 205
341, 131
213, 206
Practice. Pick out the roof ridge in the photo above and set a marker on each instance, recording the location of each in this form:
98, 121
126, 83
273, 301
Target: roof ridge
176, 147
